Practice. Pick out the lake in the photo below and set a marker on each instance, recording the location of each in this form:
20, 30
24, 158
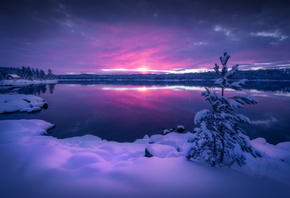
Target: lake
125, 113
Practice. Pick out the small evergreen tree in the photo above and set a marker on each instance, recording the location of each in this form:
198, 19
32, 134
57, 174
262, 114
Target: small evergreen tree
50, 75
29, 74
219, 140
1, 76
42, 75
36, 74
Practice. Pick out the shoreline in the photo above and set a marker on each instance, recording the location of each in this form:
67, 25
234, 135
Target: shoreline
26, 82
88, 164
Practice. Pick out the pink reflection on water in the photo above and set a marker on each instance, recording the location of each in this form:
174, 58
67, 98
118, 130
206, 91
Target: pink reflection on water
127, 112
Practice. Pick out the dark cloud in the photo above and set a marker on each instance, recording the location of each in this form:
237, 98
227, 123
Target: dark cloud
53, 32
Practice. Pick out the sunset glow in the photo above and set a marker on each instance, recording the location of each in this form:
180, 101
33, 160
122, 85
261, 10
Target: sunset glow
148, 37
145, 98
143, 70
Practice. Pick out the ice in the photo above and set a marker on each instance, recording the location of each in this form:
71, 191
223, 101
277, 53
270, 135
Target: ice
33, 165
21, 103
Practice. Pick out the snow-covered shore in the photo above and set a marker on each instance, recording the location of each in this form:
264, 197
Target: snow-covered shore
22, 82
33, 166
21, 103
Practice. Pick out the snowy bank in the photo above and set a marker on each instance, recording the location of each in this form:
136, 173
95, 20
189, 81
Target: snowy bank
273, 166
35, 166
26, 82
21, 103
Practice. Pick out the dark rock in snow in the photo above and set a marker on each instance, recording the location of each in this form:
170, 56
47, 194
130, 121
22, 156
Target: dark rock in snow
147, 153
180, 129
165, 131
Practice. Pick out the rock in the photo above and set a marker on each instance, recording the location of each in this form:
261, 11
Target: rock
180, 129
147, 153
165, 131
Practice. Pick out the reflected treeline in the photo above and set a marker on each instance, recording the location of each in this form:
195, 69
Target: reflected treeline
34, 89
138, 82
281, 86
38, 89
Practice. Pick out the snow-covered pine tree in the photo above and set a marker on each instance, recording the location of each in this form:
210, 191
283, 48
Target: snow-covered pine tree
42, 75
1, 76
219, 140
49, 75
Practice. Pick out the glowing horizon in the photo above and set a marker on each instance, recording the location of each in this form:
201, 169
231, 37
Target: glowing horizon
129, 37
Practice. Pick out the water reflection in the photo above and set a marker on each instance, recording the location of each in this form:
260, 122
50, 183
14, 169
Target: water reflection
127, 112
34, 89
280, 87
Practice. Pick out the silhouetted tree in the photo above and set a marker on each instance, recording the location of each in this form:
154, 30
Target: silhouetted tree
42, 75
50, 75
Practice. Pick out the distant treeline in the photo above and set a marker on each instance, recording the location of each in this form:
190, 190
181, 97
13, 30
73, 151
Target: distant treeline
38, 89
36, 74
269, 74
26, 73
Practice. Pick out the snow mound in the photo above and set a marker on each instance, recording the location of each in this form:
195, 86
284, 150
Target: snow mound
161, 151
14, 130
179, 141
180, 128
273, 165
21, 103
33, 165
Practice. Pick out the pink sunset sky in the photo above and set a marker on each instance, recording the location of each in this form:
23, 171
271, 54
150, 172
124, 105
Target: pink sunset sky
143, 36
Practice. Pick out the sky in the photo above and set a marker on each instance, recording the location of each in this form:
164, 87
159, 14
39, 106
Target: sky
143, 36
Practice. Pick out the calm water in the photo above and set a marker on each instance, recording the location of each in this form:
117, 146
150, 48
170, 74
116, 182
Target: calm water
126, 112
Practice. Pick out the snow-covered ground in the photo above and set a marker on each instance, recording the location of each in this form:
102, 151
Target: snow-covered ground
21, 103
22, 82
32, 165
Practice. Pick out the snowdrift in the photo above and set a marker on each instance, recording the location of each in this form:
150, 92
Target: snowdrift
21, 103
33, 165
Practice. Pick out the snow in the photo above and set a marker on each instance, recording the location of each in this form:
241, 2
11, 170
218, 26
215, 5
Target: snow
237, 85
21, 103
161, 151
26, 82
165, 131
200, 116
219, 81
232, 72
13, 75
247, 99
224, 59
180, 127
33, 165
